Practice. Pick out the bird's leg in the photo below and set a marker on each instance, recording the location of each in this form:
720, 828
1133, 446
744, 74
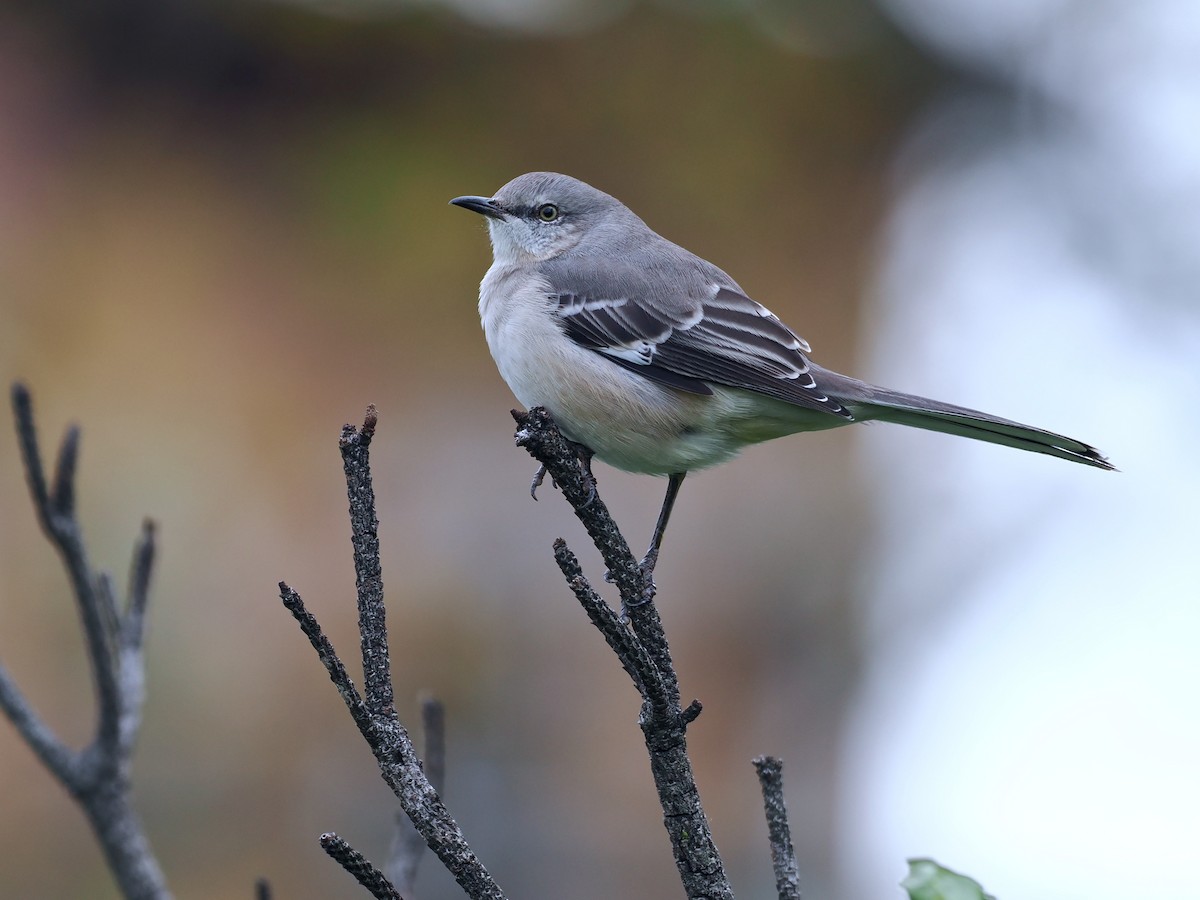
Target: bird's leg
650, 560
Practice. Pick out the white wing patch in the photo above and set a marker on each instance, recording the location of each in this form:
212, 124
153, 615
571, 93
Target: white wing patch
727, 338
640, 353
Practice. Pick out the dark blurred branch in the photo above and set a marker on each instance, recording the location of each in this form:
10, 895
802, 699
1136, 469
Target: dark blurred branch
407, 844
99, 775
374, 713
643, 652
783, 856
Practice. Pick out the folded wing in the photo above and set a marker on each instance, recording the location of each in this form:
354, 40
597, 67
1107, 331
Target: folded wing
721, 337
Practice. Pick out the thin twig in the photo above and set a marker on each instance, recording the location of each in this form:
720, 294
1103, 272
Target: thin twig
31, 456
360, 867
133, 627
632, 655
55, 755
329, 658
62, 496
783, 855
355, 447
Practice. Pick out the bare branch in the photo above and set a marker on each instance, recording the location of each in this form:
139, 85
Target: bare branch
356, 460
632, 655
374, 713
62, 496
106, 604
63, 530
54, 754
22, 405
537, 433
643, 653
329, 658
99, 775
783, 856
133, 626
360, 867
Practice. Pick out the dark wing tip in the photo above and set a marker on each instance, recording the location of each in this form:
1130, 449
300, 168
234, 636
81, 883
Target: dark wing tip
1093, 457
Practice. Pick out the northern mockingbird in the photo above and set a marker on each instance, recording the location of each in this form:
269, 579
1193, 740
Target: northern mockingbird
657, 361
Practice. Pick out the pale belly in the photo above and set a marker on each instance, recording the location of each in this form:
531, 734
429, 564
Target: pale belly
636, 424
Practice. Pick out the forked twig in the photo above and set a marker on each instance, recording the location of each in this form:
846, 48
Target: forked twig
374, 711
643, 652
99, 775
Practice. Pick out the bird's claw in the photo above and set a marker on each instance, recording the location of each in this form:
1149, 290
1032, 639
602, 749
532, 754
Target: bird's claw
538, 477
649, 588
585, 467
590, 481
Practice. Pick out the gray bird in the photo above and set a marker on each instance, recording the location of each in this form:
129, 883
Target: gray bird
657, 361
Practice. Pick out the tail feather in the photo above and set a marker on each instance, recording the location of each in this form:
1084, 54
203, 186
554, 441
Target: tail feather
870, 402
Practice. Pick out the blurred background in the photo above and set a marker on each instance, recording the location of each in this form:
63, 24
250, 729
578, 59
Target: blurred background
224, 231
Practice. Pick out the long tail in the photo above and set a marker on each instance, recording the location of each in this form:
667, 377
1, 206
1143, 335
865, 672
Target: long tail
869, 402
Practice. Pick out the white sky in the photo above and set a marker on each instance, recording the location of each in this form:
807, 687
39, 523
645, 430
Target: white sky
1032, 716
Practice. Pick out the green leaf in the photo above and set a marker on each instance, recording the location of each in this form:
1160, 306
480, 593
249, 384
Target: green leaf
928, 881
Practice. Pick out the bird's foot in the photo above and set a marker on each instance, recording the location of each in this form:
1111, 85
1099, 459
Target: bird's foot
538, 477
585, 468
649, 588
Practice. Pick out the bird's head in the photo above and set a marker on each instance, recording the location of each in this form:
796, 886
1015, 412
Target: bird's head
541, 215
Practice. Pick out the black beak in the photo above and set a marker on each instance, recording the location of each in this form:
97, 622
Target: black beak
481, 205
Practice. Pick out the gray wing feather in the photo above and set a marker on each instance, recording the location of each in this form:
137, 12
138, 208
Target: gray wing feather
706, 330
627, 334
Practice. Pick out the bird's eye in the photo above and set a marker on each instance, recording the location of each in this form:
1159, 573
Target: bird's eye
547, 212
